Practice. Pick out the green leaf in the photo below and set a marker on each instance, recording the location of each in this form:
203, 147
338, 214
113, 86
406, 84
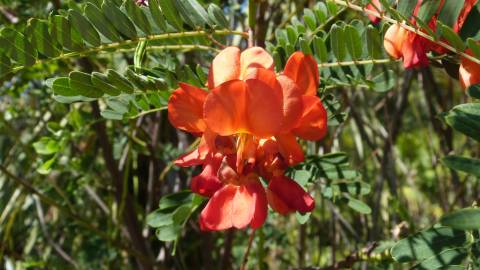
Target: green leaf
384, 81
81, 83
303, 218
63, 32
61, 86
138, 16
119, 81
452, 37
157, 14
111, 114
466, 119
41, 38
17, 47
309, 19
121, 21
160, 218
450, 12
104, 26
374, 43
337, 42
474, 46
428, 243
46, 167
175, 199
168, 233
406, 7
216, 16
192, 12
181, 214
474, 91
304, 46
84, 27
320, 49
353, 41
427, 9
321, 12
463, 219
467, 165
358, 205
443, 260
46, 146
171, 13
101, 81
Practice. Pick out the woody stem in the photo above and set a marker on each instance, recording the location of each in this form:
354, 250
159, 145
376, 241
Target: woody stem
247, 251
252, 20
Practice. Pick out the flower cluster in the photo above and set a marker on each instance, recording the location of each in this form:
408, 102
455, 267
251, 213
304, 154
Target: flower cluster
249, 120
400, 43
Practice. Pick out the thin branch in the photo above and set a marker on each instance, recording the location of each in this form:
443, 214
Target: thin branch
120, 44
247, 251
360, 62
55, 246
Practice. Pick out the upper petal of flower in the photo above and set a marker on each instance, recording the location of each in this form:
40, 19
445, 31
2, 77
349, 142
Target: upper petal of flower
393, 40
414, 51
303, 70
241, 107
291, 194
225, 67
313, 124
185, 108
255, 57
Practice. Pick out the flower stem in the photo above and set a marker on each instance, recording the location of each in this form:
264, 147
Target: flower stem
247, 251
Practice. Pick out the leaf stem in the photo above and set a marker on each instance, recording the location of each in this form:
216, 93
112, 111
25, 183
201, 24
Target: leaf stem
360, 62
252, 21
131, 42
407, 27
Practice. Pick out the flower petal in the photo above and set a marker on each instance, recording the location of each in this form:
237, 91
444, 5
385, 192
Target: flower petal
217, 214
239, 107
374, 6
292, 194
195, 157
255, 57
289, 148
225, 67
243, 207
277, 204
264, 108
261, 205
393, 40
467, 7
303, 70
207, 182
185, 108
313, 124
414, 51
469, 72
292, 103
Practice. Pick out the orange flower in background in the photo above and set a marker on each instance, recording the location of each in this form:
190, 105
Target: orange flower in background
375, 6
469, 73
249, 121
400, 43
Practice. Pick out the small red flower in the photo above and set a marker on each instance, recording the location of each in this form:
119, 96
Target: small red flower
469, 72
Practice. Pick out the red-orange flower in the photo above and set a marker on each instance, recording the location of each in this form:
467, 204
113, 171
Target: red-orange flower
413, 48
469, 73
247, 109
374, 6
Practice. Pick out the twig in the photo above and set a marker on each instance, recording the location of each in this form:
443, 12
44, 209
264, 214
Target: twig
55, 246
247, 251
